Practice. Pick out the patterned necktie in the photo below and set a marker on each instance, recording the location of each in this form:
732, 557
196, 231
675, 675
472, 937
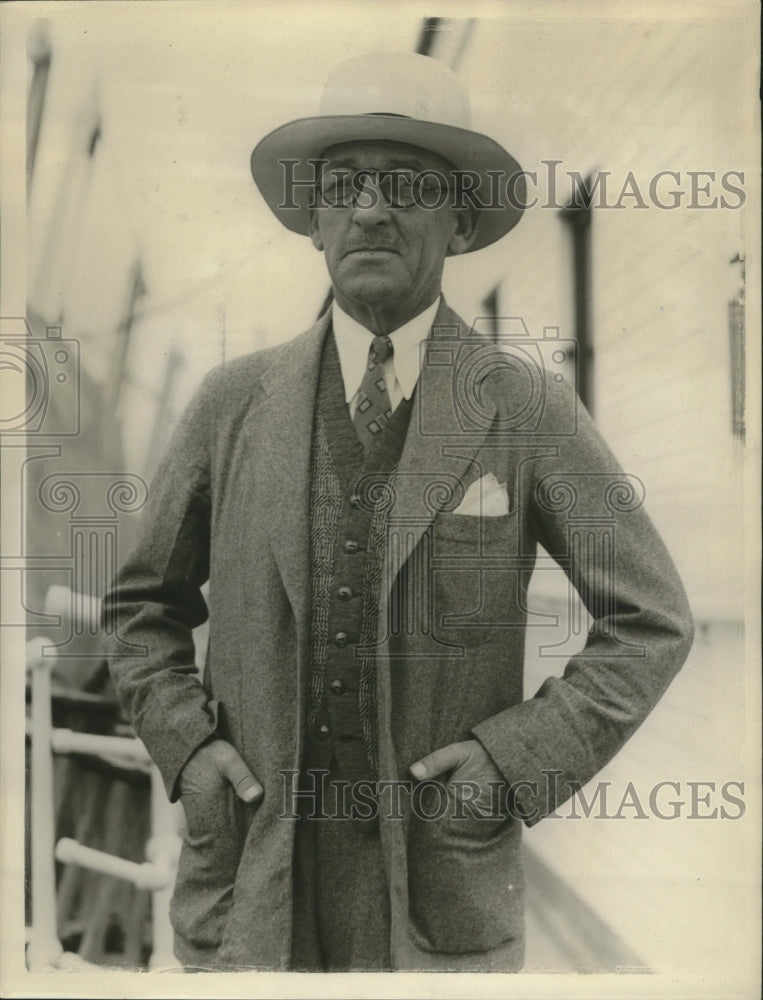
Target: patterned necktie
374, 408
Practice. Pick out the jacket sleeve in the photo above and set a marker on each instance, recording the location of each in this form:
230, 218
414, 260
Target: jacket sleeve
155, 602
589, 515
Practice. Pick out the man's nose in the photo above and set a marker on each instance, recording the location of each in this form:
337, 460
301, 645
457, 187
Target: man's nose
370, 206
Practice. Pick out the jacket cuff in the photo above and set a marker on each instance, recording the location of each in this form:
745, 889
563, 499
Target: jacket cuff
537, 783
172, 745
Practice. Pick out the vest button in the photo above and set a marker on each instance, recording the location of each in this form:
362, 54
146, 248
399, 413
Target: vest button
344, 593
337, 686
341, 639
355, 501
323, 732
351, 546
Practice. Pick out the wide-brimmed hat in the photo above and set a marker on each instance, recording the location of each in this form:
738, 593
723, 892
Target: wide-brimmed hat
394, 97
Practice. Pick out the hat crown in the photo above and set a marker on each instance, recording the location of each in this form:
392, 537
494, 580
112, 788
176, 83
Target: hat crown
397, 83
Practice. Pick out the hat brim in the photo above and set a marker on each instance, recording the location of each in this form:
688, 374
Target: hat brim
305, 139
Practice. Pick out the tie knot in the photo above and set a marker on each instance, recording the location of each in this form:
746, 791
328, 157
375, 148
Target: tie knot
381, 348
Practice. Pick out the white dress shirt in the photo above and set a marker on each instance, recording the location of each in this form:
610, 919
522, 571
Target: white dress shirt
402, 367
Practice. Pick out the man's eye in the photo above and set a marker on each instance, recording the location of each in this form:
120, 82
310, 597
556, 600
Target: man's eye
336, 189
336, 194
398, 187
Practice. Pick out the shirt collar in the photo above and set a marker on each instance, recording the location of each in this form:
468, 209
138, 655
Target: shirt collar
353, 342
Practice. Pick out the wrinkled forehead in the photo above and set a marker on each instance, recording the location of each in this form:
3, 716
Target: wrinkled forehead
379, 155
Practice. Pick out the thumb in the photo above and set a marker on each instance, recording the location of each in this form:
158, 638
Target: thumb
445, 759
232, 766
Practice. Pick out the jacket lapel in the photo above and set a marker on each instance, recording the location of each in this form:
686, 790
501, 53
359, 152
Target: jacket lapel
280, 431
444, 435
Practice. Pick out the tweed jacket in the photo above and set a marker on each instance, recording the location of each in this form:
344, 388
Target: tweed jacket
230, 505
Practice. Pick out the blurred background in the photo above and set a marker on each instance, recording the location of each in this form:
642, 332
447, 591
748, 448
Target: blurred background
151, 257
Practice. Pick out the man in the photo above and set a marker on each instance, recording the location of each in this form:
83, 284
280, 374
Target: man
366, 503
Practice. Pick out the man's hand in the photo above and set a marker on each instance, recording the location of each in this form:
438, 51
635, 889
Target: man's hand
209, 767
472, 768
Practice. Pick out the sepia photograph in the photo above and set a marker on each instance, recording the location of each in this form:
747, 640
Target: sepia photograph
380, 452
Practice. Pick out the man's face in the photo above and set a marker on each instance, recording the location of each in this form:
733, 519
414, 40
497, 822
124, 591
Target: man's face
386, 262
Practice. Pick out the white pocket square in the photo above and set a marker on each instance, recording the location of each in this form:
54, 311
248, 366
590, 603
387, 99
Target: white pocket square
486, 497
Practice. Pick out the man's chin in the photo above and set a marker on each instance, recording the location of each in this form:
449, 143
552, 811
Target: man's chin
371, 290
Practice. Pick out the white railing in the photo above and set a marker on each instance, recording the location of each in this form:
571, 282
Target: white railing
156, 874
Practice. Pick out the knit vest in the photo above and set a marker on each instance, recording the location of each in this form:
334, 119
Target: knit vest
349, 505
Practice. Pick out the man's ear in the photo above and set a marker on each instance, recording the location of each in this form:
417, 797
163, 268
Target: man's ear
315, 235
465, 231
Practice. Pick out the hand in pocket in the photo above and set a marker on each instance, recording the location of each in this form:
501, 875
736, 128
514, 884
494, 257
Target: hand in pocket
213, 765
474, 779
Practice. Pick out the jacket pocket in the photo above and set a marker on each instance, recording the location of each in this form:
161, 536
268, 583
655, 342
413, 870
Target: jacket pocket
470, 593
213, 839
465, 887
